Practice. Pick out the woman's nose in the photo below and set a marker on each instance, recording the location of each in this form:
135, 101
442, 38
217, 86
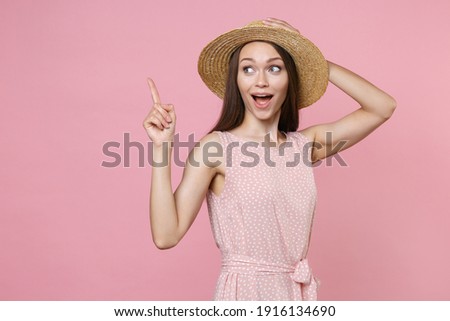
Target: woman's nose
262, 80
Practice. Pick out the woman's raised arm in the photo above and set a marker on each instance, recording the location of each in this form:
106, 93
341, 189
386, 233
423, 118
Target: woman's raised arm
376, 107
171, 214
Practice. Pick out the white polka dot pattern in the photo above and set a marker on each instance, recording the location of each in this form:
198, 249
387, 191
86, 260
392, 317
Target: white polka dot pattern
262, 222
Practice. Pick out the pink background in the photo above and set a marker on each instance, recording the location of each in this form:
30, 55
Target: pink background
73, 77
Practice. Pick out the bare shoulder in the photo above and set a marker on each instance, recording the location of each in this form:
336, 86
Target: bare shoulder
309, 133
211, 137
210, 141
208, 152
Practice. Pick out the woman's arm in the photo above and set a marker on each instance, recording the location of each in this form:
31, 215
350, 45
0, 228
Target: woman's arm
171, 214
376, 107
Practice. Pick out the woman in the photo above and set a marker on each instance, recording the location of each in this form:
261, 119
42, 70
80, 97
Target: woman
261, 198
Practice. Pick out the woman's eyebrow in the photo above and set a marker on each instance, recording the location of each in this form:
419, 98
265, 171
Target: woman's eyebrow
268, 60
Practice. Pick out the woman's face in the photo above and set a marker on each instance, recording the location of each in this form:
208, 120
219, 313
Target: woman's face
262, 80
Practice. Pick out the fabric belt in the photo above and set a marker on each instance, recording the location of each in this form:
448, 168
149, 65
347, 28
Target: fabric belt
300, 273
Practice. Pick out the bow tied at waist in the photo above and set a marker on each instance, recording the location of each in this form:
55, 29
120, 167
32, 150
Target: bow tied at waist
300, 273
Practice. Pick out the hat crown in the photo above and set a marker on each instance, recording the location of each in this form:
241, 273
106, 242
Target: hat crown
261, 24
256, 23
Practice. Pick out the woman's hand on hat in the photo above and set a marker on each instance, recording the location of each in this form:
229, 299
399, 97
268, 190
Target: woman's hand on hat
280, 24
160, 121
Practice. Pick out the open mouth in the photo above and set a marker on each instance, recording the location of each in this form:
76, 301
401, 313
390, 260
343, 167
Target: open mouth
262, 100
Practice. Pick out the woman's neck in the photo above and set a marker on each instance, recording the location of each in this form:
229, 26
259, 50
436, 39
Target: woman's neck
256, 129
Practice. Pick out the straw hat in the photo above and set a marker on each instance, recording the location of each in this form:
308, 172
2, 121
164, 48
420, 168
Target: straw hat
312, 68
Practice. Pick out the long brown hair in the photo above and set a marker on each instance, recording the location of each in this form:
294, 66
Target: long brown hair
233, 108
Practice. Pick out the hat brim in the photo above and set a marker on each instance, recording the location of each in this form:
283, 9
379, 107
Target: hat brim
312, 68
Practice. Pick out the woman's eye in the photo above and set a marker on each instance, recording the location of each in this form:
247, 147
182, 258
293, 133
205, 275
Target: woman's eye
248, 70
275, 68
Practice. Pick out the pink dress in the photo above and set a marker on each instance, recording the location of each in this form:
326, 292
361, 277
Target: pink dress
262, 221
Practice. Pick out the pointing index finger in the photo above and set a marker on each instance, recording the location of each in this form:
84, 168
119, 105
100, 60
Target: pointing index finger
155, 94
